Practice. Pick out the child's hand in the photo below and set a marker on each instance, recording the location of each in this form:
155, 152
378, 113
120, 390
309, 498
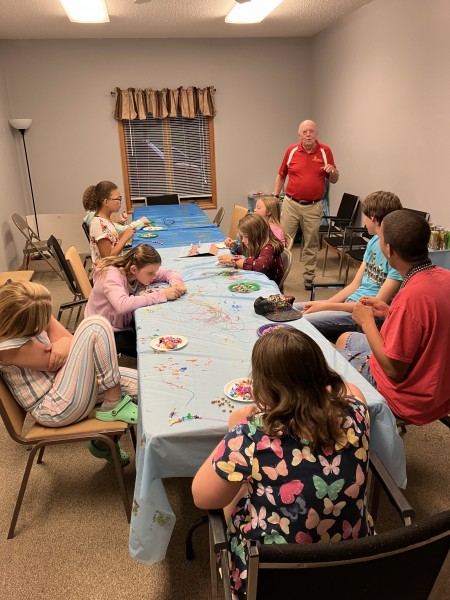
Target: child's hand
225, 259
59, 351
128, 233
145, 220
172, 293
241, 414
123, 218
312, 307
380, 308
180, 287
229, 243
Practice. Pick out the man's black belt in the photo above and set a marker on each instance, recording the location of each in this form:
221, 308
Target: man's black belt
305, 202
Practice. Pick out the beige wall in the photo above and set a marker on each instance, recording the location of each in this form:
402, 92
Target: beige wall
382, 91
12, 191
64, 85
377, 83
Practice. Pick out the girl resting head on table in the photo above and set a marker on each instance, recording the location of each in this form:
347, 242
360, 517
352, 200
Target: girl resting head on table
261, 249
293, 467
106, 239
116, 281
58, 377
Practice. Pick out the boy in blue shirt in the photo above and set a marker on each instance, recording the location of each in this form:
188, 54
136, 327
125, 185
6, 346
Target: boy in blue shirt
375, 277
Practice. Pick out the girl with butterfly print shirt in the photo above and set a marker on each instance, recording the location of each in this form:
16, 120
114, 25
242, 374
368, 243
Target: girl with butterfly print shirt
293, 467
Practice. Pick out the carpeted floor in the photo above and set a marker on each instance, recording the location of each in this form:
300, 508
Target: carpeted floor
71, 539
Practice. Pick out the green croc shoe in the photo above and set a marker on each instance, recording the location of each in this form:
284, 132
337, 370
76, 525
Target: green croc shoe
124, 459
125, 411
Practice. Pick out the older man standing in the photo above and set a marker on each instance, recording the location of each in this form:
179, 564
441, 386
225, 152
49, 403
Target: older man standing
306, 165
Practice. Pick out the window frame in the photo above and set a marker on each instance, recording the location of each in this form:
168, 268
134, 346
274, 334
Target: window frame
207, 202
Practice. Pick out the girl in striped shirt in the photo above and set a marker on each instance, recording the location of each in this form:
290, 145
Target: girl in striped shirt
55, 376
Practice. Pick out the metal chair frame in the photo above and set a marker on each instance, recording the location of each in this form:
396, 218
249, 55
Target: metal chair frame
34, 245
344, 218
38, 437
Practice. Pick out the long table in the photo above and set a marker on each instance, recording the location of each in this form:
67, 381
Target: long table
183, 224
221, 330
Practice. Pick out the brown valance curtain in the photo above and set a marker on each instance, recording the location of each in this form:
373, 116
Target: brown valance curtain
136, 103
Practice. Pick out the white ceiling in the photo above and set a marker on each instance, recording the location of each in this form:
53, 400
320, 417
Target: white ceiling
38, 19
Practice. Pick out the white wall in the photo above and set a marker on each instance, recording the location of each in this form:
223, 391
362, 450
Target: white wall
64, 86
381, 90
12, 192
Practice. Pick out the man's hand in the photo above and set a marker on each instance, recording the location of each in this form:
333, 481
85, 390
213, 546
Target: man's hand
59, 351
329, 168
380, 308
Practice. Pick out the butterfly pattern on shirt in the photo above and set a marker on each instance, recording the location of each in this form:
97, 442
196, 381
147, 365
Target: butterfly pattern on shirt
299, 492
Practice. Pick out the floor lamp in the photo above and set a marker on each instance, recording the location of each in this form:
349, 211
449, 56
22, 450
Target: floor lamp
22, 125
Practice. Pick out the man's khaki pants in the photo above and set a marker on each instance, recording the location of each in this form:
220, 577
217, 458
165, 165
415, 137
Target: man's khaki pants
307, 218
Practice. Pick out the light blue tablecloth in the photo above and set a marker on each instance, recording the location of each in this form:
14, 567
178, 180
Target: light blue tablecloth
221, 330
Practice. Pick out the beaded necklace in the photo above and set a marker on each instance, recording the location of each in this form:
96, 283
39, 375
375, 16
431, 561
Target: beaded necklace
422, 265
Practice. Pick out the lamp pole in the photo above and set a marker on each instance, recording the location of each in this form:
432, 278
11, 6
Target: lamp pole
22, 125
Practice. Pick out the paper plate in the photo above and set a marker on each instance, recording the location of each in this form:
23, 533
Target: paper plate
153, 228
268, 328
147, 235
167, 343
244, 287
232, 389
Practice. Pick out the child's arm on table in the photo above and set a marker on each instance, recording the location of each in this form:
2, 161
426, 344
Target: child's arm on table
208, 488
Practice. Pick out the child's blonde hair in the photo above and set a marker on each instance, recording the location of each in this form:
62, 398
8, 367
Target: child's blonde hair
296, 389
141, 256
25, 309
272, 205
259, 234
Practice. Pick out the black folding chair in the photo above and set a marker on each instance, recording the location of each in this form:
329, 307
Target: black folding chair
163, 199
78, 299
334, 232
400, 563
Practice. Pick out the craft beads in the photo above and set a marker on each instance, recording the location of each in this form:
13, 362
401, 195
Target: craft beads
187, 417
242, 390
169, 343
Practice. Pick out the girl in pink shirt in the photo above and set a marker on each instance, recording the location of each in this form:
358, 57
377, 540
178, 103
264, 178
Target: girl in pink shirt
120, 288
269, 208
